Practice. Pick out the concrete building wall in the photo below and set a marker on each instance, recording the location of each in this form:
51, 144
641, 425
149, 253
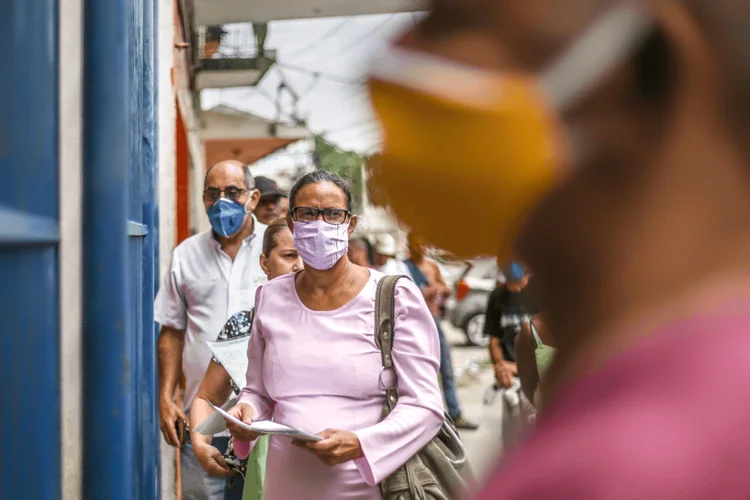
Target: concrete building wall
165, 49
71, 211
166, 133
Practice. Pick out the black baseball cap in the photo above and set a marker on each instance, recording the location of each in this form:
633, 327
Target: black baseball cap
267, 187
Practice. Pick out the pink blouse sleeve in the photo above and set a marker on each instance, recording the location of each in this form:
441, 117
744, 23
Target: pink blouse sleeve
254, 393
418, 414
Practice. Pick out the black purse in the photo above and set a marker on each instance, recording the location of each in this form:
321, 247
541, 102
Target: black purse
440, 470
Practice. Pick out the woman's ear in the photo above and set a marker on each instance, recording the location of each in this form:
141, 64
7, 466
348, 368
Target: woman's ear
353, 224
264, 264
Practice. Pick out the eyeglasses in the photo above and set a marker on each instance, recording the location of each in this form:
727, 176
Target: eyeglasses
234, 193
330, 215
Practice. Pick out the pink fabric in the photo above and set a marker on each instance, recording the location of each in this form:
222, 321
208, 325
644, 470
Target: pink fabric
320, 244
669, 419
241, 448
320, 369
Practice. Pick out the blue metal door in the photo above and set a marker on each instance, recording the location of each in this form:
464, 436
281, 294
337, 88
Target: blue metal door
121, 437
141, 247
29, 277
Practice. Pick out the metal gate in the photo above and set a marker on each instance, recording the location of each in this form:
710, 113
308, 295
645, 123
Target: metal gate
121, 437
117, 275
29, 237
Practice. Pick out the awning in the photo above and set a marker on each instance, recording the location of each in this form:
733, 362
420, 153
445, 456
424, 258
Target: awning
213, 12
232, 134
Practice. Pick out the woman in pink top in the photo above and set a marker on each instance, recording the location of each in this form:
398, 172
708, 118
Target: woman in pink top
314, 364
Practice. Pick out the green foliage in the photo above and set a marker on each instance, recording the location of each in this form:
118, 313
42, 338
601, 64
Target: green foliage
347, 164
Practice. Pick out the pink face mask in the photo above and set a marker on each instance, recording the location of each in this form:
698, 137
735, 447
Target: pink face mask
321, 244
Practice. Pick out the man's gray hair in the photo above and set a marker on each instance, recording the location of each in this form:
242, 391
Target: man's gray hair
249, 179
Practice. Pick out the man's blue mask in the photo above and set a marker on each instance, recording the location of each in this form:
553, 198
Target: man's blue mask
226, 217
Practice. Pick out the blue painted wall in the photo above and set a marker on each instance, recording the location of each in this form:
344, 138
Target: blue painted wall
29, 305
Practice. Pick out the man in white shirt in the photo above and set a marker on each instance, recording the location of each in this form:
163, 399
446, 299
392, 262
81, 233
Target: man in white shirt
388, 262
213, 275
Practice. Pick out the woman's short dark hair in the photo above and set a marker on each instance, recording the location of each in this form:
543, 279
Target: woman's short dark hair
316, 177
270, 239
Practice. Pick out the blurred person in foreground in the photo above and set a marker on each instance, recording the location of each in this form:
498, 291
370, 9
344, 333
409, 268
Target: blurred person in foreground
642, 245
270, 206
427, 276
279, 257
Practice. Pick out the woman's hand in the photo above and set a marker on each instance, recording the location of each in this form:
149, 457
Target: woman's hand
243, 412
211, 460
337, 447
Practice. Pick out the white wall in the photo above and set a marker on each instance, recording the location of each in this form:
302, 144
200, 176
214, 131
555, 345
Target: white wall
166, 182
71, 227
166, 133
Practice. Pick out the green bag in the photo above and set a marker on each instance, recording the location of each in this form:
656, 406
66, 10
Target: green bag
256, 470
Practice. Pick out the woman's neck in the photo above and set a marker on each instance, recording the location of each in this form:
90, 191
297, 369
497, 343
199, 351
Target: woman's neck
315, 279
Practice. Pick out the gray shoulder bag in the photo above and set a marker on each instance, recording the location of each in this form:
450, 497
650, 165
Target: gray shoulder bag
440, 470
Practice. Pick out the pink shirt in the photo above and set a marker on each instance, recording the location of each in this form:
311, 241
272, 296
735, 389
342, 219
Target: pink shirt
320, 369
669, 419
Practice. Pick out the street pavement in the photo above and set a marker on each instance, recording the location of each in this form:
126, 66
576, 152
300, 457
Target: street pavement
482, 445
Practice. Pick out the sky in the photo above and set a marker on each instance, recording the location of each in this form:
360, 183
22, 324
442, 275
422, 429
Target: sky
335, 102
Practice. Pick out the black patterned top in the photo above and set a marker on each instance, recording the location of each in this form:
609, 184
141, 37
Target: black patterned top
238, 326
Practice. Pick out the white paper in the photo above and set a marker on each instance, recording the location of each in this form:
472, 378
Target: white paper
268, 427
232, 354
215, 423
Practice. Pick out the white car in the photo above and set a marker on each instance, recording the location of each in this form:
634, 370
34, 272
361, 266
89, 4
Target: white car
468, 304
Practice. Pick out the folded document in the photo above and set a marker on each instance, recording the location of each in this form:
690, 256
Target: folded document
261, 426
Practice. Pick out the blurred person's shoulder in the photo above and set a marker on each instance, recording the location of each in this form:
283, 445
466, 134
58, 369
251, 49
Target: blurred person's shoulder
657, 421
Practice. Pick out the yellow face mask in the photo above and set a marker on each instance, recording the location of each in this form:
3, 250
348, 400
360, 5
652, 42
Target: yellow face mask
467, 153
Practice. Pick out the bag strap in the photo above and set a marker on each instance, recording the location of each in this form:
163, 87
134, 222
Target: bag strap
537, 338
385, 312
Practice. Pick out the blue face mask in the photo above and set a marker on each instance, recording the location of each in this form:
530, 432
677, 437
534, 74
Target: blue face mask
226, 217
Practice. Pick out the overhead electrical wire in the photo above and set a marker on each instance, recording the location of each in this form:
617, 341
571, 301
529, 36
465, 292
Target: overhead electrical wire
368, 34
345, 49
310, 86
328, 34
325, 76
